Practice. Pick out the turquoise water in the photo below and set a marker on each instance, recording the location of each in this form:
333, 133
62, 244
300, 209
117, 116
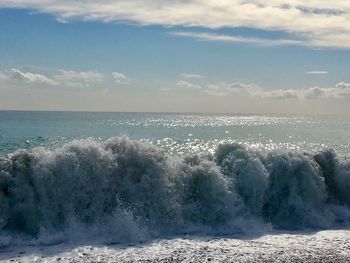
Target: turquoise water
176, 133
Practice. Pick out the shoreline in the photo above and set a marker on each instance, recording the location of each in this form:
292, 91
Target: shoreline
301, 246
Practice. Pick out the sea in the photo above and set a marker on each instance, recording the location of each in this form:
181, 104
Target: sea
173, 187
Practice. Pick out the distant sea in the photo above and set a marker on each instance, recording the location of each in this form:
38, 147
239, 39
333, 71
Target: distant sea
176, 133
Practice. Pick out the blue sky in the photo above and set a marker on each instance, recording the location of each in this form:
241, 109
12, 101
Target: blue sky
55, 56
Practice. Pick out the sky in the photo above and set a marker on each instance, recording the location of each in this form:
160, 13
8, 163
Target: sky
232, 56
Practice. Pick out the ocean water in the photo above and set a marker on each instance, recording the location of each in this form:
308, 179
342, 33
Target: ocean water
130, 177
176, 133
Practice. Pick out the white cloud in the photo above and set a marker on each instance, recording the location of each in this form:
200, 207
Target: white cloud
317, 72
250, 88
275, 94
340, 91
343, 85
227, 89
279, 94
316, 23
188, 85
120, 78
220, 89
238, 39
316, 93
190, 76
16, 74
73, 78
67, 78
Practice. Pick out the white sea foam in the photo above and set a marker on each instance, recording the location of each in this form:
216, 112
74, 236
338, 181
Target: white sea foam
122, 190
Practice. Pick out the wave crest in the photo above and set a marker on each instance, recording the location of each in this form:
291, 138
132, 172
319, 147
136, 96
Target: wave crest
122, 190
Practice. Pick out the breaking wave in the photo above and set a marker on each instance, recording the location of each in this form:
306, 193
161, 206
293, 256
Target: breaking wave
123, 190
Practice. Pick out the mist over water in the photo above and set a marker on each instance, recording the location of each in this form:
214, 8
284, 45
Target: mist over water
121, 190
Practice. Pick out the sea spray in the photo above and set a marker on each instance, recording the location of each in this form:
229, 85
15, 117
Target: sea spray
123, 190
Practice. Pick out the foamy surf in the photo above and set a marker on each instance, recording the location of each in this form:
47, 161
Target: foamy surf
124, 191
323, 246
